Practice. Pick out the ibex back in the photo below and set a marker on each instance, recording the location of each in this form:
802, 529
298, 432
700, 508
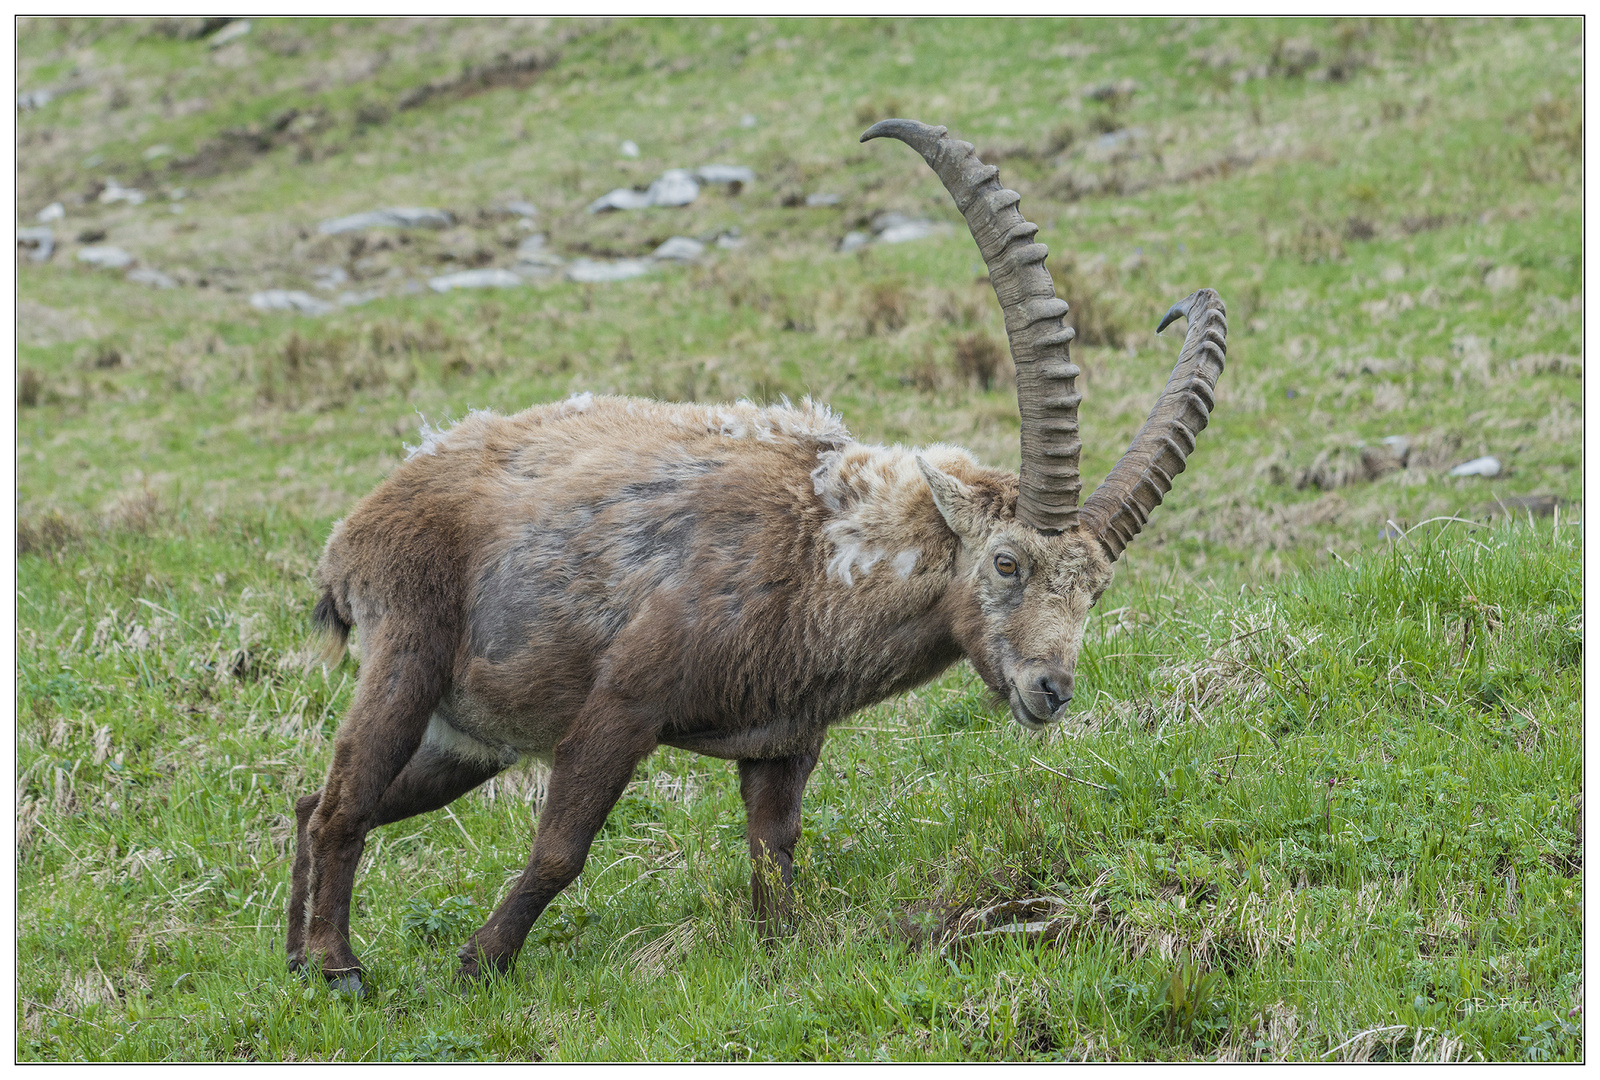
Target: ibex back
586, 581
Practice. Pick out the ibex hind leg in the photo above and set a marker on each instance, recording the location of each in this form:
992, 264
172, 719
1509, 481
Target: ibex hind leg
402, 680
432, 779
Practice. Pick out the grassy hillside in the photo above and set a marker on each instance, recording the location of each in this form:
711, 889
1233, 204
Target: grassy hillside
1323, 796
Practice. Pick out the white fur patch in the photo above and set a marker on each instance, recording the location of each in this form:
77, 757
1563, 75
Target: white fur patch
441, 736
435, 439
906, 561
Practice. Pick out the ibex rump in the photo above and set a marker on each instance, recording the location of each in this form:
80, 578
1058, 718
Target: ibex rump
589, 580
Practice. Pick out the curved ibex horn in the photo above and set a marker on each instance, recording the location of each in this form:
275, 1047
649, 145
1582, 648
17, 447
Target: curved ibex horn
1047, 395
1119, 507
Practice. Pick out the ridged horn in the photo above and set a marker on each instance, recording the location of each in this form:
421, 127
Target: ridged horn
1119, 507
1047, 394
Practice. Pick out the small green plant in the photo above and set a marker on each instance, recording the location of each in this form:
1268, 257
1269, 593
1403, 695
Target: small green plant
439, 1046
452, 917
558, 929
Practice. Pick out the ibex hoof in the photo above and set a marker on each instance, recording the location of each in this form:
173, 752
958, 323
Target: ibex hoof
348, 983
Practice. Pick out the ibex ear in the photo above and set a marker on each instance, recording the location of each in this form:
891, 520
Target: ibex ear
954, 499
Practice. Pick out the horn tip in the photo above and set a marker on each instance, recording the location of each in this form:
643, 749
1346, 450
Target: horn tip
899, 129
1175, 312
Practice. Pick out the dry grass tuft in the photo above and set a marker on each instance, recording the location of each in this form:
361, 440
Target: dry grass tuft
134, 511
979, 358
48, 535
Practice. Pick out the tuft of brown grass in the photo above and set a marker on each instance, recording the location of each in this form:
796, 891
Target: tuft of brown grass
30, 387
885, 308
48, 535
137, 511
979, 358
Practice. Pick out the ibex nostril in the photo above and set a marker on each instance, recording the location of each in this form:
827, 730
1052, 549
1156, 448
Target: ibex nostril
1052, 698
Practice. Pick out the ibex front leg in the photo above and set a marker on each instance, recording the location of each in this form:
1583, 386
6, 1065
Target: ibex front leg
590, 770
771, 790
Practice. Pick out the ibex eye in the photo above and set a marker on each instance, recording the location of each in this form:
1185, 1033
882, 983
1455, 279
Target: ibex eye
1006, 565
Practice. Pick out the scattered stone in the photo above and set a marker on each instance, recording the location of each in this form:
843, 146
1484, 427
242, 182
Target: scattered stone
734, 176
39, 241
1502, 279
352, 299
821, 198
896, 228
115, 192
232, 32
54, 212
35, 99
522, 209
329, 277
289, 300
679, 249
145, 275
160, 150
748, 120
1399, 446
1484, 466
629, 148
534, 259
730, 239
620, 199
396, 217
105, 257
592, 272
854, 240
675, 187
485, 278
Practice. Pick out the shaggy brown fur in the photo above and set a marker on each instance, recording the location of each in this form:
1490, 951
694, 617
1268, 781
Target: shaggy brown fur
586, 581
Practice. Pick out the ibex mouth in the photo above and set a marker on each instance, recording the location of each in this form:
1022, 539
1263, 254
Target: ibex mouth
1022, 714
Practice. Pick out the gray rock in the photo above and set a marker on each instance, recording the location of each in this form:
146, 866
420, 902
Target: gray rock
620, 199
115, 192
1484, 466
534, 259
395, 217
522, 209
748, 120
353, 299
854, 240
1399, 446
289, 300
591, 271
35, 99
900, 232
105, 257
629, 148
232, 32
731, 239
485, 278
820, 198
676, 187
54, 212
145, 275
329, 277
39, 240
679, 249
725, 174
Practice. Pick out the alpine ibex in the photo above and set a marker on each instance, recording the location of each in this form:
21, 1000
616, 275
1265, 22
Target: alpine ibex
589, 580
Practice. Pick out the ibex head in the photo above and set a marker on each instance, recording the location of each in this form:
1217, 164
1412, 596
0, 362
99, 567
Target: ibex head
1028, 576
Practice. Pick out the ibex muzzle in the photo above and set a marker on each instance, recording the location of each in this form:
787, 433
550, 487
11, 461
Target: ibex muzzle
589, 580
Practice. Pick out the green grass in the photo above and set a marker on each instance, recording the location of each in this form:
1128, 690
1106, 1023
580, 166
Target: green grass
1339, 804
1322, 796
